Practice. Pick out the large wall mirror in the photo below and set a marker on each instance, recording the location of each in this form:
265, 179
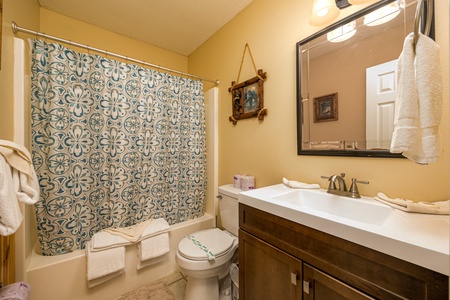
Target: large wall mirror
346, 82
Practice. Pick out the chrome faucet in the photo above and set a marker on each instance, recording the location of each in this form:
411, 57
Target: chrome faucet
342, 191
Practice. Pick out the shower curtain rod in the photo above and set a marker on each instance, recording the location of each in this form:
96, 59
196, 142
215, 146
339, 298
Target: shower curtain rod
16, 28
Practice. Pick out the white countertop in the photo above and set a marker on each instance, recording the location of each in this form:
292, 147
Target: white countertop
421, 239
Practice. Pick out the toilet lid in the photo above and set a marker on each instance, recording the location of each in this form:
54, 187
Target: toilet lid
205, 244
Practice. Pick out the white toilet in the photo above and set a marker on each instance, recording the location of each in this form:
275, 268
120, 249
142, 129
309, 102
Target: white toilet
205, 256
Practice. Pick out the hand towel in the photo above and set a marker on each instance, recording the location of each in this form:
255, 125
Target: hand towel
300, 185
142, 230
10, 215
104, 265
103, 240
418, 102
437, 208
152, 250
17, 156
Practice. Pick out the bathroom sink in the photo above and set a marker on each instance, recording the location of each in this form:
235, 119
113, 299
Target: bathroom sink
363, 209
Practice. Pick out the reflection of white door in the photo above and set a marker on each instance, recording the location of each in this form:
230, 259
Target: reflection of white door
380, 104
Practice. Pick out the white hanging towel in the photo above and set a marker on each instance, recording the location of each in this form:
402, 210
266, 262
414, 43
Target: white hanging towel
152, 250
418, 105
18, 182
104, 265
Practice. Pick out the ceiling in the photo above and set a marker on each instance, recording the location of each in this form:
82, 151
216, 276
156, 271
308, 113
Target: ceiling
180, 26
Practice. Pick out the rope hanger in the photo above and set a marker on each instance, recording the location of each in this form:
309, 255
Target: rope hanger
242, 62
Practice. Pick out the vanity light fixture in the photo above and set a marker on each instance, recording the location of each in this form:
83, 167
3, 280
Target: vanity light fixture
382, 15
342, 33
324, 11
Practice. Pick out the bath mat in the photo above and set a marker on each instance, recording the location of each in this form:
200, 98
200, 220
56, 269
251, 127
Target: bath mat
154, 291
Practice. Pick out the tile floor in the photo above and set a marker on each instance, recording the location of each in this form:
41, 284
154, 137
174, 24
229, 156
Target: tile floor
176, 283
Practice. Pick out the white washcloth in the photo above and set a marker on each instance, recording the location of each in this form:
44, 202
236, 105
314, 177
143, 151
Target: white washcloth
418, 106
152, 250
300, 185
436, 208
104, 265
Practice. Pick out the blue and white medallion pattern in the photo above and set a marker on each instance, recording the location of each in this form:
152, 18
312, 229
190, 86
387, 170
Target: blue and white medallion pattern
113, 144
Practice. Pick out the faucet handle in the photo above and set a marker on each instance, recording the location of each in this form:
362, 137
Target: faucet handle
332, 185
354, 188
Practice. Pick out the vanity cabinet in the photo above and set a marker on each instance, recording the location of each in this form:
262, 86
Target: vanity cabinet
281, 259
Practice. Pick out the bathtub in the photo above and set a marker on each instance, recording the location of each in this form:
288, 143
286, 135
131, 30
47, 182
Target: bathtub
64, 276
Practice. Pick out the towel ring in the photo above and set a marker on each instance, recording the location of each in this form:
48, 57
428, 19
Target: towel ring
418, 17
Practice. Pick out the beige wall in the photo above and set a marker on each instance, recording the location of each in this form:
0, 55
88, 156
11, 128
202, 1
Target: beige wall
26, 14
71, 29
268, 149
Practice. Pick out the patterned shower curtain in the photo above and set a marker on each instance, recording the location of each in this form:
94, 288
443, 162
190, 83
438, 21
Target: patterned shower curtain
113, 144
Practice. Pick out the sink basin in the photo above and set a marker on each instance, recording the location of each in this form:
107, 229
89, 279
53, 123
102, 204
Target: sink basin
363, 209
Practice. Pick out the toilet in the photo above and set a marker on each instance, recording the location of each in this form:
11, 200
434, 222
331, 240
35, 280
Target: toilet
205, 256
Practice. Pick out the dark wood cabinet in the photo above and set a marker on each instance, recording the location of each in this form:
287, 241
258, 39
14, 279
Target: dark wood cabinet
265, 272
281, 259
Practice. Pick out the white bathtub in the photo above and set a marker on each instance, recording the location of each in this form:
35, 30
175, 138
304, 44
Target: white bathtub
63, 277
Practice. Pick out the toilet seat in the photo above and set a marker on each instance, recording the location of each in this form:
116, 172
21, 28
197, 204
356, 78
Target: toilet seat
213, 240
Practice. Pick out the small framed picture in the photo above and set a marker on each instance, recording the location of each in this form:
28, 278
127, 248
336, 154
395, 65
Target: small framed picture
326, 108
248, 98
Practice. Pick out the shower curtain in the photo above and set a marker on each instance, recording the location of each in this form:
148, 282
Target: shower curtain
113, 144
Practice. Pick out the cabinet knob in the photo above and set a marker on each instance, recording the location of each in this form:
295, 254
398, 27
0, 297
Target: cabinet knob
294, 278
306, 287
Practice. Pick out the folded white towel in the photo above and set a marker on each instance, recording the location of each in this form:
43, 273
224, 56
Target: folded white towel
437, 208
104, 240
418, 106
104, 265
152, 250
158, 226
140, 231
300, 185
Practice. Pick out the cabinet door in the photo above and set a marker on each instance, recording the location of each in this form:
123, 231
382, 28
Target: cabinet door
320, 286
266, 272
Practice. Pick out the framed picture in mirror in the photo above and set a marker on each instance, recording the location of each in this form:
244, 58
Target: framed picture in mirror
326, 108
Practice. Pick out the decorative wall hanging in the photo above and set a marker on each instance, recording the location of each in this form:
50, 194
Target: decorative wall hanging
326, 108
248, 96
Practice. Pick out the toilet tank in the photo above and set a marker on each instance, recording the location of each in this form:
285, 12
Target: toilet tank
228, 203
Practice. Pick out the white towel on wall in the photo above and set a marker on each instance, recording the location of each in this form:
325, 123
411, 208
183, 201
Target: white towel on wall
104, 265
419, 101
18, 182
152, 250
10, 215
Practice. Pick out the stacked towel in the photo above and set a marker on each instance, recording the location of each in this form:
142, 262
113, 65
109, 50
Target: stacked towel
419, 101
437, 208
104, 265
18, 182
152, 250
115, 237
300, 185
